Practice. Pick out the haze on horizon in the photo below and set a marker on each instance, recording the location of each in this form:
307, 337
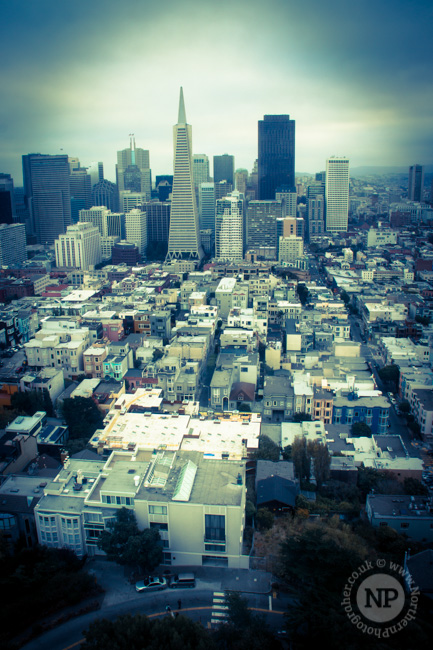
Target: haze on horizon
79, 77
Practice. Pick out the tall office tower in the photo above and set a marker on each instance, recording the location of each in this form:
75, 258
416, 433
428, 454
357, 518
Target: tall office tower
80, 187
200, 169
261, 224
12, 244
222, 189
276, 155
316, 216
133, 169
416, 183
109, 224
79, 247
129, 200
206, 205
46, 188
224, 169
229, 228
158, 221
96, 171
241, 181
289, 199
105, 193
7, 199
136, 229
337, 194
184, 237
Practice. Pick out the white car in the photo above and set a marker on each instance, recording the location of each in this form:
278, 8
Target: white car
151, 584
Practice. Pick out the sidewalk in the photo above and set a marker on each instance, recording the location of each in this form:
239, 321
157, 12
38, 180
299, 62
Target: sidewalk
114, 579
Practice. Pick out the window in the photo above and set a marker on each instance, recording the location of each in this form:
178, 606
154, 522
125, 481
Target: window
215, 528
157, 510
404, 524
158, 526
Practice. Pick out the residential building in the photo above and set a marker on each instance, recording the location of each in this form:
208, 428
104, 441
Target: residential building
198, 507
93, 359
422, 409
337, 194
223, 296
276, 155
408, 515
79, 247
278, 398
184, 236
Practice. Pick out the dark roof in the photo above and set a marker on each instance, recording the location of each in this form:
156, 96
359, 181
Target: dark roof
242, 390
86, 454
276, 488
267, 468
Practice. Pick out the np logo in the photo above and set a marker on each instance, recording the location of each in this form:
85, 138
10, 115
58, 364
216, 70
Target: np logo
379, 598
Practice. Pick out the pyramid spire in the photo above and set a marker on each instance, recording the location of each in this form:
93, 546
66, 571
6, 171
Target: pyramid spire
181, 117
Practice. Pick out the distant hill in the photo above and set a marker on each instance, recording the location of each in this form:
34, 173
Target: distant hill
381, 171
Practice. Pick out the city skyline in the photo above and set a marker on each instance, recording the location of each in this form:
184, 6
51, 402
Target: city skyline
355, 79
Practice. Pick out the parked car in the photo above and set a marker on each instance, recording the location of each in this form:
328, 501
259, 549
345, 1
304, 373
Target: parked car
183, 581
156, 583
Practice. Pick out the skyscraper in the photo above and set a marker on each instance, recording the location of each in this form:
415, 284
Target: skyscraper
200, 168
79, 247
416, 183
224, 169
46, 188
207, 206
7, 199
337, 194
12, 244
136, 229
80, 187
276, 166
261, 224
133, 169
184, 238
229, 228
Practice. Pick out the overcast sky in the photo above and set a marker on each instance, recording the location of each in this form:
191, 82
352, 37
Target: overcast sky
79, 76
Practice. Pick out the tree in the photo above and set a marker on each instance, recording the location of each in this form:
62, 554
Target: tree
29, 402
267, 450
82, 416
264, 519
321, 461
412, 486
360, 430
303, 293
404, 407
125, 544
300, 458
127, 632
301, 417
390, 374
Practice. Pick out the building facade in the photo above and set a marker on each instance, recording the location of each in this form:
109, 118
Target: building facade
276, 161
229, 228
337, 194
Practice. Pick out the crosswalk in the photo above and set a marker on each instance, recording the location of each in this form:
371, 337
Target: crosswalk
219, 608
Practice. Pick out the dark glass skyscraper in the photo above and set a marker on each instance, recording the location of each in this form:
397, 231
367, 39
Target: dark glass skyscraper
276, 165
224, 168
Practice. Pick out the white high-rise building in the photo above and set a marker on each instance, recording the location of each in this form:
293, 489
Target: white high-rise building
12, 244
337, 194
136, 229
290, 249
129, 200
109, 224
228, 228
79, 247
184, 237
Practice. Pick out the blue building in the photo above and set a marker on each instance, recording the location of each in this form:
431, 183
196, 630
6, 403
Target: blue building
374, 411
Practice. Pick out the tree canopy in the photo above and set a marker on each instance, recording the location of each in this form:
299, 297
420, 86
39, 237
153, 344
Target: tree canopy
82, 416
360, 430
268, 450
29, 402
125, 544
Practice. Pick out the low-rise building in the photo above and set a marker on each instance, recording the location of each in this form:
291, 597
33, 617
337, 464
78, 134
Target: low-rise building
408, 515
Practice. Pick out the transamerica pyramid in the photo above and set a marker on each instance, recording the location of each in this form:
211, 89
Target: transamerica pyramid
184, 236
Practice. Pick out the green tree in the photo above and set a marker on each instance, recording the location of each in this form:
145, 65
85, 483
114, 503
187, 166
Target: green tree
128, 632
321, 461
404, 407
82, 416
264, 519
267, 450
300, 458
125, 544
412, 486
360, 430
301, 417
29, 402
303, 293
390, 374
